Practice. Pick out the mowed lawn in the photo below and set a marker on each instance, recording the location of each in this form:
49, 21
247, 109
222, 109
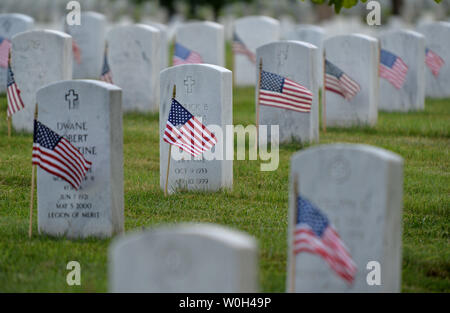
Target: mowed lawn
257, 204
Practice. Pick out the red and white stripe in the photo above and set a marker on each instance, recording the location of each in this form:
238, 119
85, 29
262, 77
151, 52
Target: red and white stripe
15, 102
330, 247
76, 51
193, 58
239, 48
293, 97
434, 62
343, 86
192, 137
5, 47
64, 161
107, 77
395, 75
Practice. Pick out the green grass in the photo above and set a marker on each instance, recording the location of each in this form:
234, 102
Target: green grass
257, 204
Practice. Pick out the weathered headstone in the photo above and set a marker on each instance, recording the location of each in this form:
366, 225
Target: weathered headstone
205, 38
164, 44
90, 38
358, 57
293, 60
184, 258
134, 59
11, 24
253, 31
359, 188
314, 35
38, 58
88, 114
410, 47
437, 36
206, 92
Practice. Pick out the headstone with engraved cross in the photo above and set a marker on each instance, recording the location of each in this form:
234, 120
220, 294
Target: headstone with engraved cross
11, 24
87, 113
39, 57
205, 91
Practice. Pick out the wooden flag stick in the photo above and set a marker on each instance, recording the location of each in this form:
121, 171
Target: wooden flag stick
33, 170
324, 102
170, 148
9, 126
257, 102
295, 216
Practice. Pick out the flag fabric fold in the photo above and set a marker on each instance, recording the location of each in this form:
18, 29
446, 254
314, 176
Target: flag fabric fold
280, 92
393, 68
239, 47
106, 75
5, 47
15, 102
338, 82
433, 61
183, 55
187, 132
56, 155
314, 234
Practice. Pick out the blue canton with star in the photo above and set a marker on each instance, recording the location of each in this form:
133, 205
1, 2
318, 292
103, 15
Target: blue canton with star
332, 69
44, 136
309, 214
10, 77
178, 115
271, 82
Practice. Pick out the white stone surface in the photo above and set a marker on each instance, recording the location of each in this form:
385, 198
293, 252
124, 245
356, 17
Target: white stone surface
293, 60
410, 46
90, 37
358, 56
164, 43
184, 258
38, 57
314, 35
134, 59
11, 24
359, 188
205, 38
88, 114
437, 37
206, 91
254, 31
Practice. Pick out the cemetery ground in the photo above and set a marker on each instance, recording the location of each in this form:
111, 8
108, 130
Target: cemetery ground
258, 203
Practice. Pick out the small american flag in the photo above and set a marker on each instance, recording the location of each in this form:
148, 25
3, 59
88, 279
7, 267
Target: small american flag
314, 234
15, 102
433, 61
240, 48
106, 71
5, 46
57, 156
392, 68
339, 82
183, 55
76, 51
280, 92
193, 137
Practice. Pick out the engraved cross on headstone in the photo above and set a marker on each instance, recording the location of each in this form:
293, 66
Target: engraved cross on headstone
282, 57
72, 98
188, 83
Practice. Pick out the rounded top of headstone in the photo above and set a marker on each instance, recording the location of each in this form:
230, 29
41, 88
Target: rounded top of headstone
203, 66
201, 23
297, 43
432, 25
252, 18
93, 14
40, 32
401, 32
79, 83
160, 26
355, 148
143, 27
309, 27
18, 16
351, 37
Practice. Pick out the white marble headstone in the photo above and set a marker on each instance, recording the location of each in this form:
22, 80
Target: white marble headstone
11, 24
134, 59
38, 58
254, 31
358, 57
88, 113
359, 188
410, 46
184, 258
90, 38
164, 43
205, 38
437, 38
294, 60
205, 90
314, 35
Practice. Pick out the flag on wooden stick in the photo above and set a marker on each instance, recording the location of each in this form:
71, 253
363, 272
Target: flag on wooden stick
15, 102
5, 47
392, 68
338, 82
239, 47
183, 55
433, 61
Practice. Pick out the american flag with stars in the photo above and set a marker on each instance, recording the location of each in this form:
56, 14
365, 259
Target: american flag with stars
281, 92
187, 132
240, 48
392, 68
56, 155
338, 82
313, 233
5, 47
433, 61
15, 102
106, 70
183, 55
